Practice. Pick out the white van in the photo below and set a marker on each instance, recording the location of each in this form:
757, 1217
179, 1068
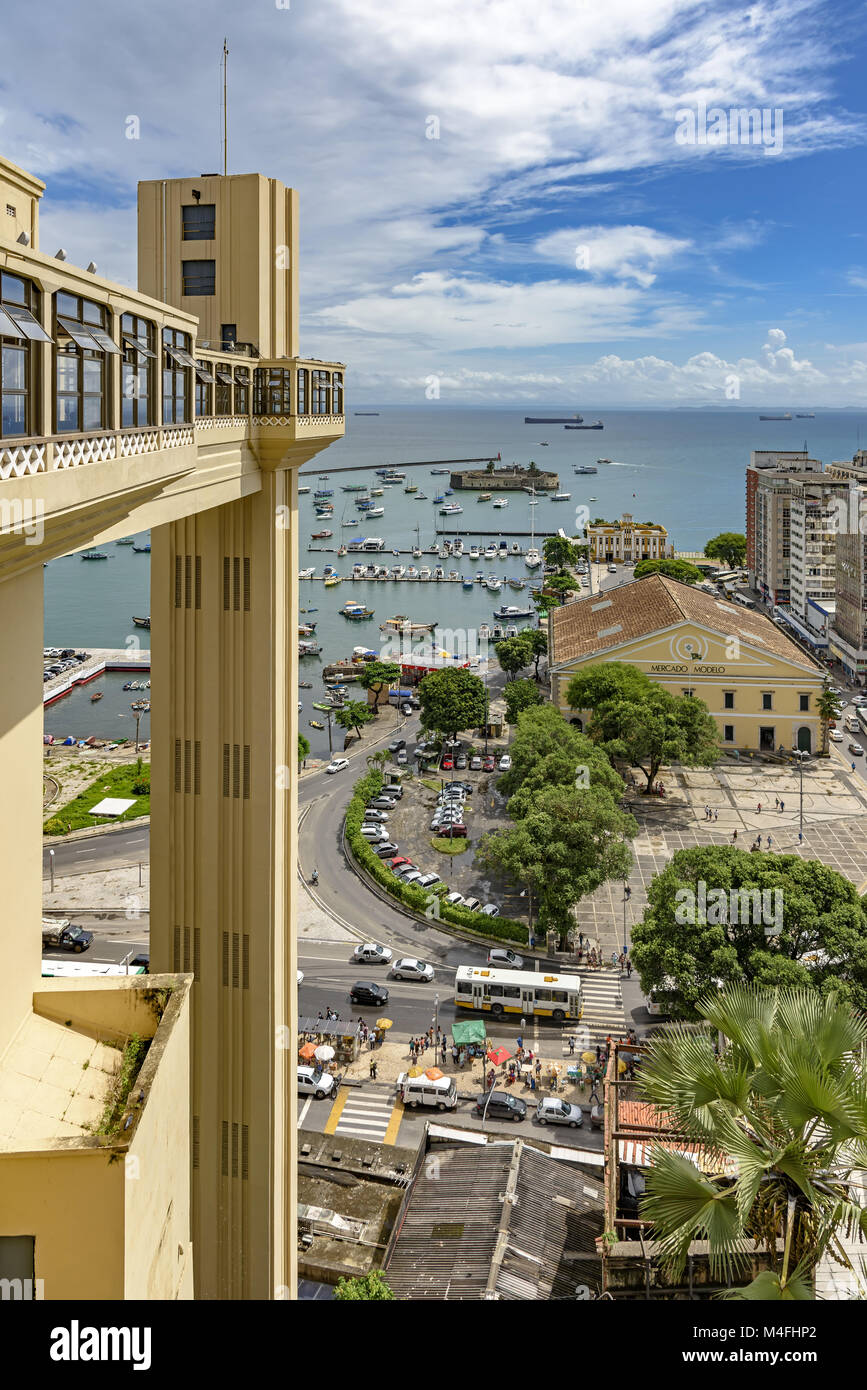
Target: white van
852, 725
420, 1090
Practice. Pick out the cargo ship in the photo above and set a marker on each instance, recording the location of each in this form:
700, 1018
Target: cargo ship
787, 416
553, 419
597, 425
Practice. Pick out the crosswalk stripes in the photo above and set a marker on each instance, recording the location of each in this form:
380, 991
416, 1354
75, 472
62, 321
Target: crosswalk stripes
603, 1012
365, 1116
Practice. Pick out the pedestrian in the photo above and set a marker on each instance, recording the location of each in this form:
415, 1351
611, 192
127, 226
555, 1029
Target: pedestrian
782, 805
594, 1094
598, 1053
523, 1026
777, 802
571, 1047
769, 842
538, 1067
532, 942
320, 1016
853, 767
800, 838
532, 1082
628, 968
372, 1069
734, 835
580, 938
628, 892
716, 815
444, 1049
519, 1044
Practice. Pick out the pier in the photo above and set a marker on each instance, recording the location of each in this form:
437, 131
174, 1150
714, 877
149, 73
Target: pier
414, 463
99, 661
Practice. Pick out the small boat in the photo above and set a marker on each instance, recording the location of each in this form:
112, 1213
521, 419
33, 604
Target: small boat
342, 550
356, 612
420, 497
412, 572
323, 492
142, 622
97, 695
306, 631
585, 468
497, 633
351, 524
511, 630
332, 580
353, 487
320, 535
543, 443
411, 487
441, 498
474, 552
399, 623
603, 460
532, 559
458, 547
562, 496
315, 724
424, 572
593, 499
450, 509
140, 706
382, 572
449, 492
437, 472
503, 550
432, 549
416, 552
308, 573
454, 576
377, 492
398, 571
303, 489
439, 572
484, 631
96, 555
515, 548
484, 497
127, 540
534, 502
375, 511
306, 685
509, 611
467, 583
490, 552
517, 583
500, 502
308, 648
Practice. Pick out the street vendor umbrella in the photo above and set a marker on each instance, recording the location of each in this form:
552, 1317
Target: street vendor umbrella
433, 1074
415, 1071
502, 1054
384, 1023
588, 1056
324, 1053
307, 1051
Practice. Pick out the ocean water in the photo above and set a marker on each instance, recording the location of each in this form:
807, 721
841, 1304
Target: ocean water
682, 468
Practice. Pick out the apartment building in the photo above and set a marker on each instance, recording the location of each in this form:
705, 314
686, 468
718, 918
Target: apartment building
183, 407
768, 510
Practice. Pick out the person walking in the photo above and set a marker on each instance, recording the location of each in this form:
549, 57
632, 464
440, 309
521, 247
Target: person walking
777, 802
716, 815
628, 968
627, 892
769, 842
759, 808
372, 1070
734, 836
782, 805
571, 1047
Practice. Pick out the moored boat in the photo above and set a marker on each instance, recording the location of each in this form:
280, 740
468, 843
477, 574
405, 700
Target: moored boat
142, 622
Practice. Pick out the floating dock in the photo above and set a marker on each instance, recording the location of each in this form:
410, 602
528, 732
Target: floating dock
99, 661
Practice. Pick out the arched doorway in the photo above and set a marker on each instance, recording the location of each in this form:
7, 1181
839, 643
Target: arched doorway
578, 724
805, 740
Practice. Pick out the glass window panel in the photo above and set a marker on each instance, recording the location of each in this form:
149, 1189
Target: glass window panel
14, 368
13, 288
9, 328
92, 375
30, 326
67, 414
104, 340
92, 313
67, 371
13, 415
127, 412
92, 412
198, 277
198, 221
67, 304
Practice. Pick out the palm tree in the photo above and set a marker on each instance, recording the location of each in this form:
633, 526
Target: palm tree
780, 1110
378, 759
828, 705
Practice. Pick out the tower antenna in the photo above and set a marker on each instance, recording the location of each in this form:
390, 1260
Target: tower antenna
225, 108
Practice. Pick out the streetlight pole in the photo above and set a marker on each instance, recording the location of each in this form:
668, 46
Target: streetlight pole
51, 867
329, 734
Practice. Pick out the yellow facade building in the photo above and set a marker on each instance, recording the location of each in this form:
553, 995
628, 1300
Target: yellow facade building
613, 542
760, 687
115, 418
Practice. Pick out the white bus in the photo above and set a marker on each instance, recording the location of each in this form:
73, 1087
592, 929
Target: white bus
521, 992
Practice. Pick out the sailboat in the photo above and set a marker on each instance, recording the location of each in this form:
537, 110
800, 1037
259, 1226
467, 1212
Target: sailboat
533, 559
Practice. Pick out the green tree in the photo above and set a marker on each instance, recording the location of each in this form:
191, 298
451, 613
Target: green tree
379, 676
520, 695
779, 1103
452, 700
829, 708
547, 750
353, 715
658, 728
367, 1287
537, 640
303, 749
728, 546
674, 569
513, 654
560, 552
613, 680
773, 920
379, 759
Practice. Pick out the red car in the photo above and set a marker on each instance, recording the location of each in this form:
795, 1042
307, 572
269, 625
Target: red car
450, 830
447, 764
489, 764
398, 860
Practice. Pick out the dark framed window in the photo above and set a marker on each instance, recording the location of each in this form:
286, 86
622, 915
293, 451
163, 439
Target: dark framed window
337, 393
137, 371
321, 393
228, 336
204, 389
19, 329
178, 367
302, 390
223, 389
767, 699
728, 699
804, 702
272, 391
198, 221
199, 277
728, 733
82, 376
242, 391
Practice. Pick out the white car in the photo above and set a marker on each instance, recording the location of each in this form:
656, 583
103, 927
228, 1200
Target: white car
612, 569
505, 959
300, 974
505, 763
835, 736
372, 954
401, 757
411, 969
858, 701
454, 899
337, 765
375, 817
313, 1082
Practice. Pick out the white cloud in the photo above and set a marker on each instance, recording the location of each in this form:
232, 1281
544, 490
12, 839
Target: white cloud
618, 253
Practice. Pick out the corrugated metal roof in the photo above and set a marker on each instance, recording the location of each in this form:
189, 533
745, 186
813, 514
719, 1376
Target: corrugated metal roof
503, 1222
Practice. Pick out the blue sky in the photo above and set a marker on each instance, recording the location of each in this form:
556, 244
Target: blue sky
559, 239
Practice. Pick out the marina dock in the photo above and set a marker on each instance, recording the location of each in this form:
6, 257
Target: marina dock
100, 660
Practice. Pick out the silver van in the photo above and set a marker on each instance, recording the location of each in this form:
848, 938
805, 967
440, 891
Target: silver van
420, 1090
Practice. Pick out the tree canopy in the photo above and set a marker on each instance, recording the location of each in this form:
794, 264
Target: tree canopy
613, 680
807, 928
728, 546
304, 747
674, 569
378, 676
368, 1288
353, 715
452, 700
560, 552
520, 695
513, 654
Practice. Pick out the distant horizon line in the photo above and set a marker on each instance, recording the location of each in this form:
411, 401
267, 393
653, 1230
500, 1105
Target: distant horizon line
364, 406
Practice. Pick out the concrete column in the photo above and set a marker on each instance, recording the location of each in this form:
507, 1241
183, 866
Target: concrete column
223, 844
21, 757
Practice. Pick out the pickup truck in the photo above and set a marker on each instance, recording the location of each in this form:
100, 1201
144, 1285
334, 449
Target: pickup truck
63, 936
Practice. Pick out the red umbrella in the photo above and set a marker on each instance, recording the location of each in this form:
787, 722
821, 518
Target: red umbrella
499, 1056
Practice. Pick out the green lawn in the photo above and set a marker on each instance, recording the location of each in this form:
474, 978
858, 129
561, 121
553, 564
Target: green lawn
449, 846
118, 781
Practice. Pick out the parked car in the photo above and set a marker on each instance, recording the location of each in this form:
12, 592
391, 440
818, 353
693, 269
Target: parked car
337, 765
396, 745
454, 785
491, 910
398, 860
858, 700
551, 1111
855, 749
499, 1105
475, 763
372, 953
461, 760
612, 569
382, 803
375, 817
835, 736
386, 849
374, 832
505, 763
314, 1082
406, 710
414, 876
393, 790
365, 992
454, 899
409, 968
505, 959
453, 830
401, 756
404, 869
63, 936
447, 763
472, 904
489, 763
428, 880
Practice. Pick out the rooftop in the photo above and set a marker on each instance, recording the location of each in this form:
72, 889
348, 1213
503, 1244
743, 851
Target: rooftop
652, 604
